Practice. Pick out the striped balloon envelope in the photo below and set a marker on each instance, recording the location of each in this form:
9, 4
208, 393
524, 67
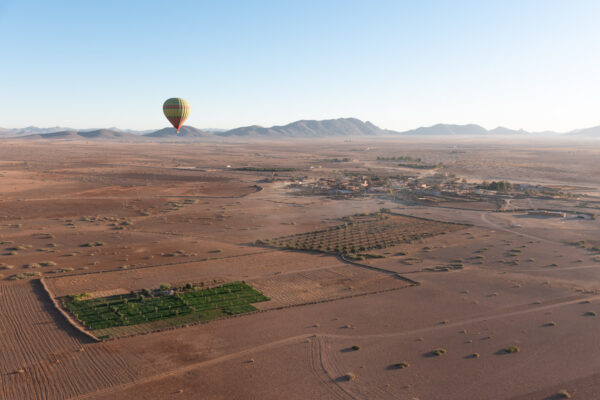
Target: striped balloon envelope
176, 110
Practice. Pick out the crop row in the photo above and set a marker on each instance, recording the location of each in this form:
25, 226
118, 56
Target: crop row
137, 308
363, 235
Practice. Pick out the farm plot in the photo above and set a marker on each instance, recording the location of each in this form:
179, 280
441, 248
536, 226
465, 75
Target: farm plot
156, 310
364, 232
324, 284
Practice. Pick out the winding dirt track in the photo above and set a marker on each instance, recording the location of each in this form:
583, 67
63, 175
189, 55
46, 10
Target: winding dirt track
501, 228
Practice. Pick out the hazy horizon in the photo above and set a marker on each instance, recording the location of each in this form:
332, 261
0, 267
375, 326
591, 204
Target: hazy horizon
219, 129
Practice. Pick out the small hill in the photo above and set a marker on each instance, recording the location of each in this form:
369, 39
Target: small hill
470, 130
447, 129
309, 129
101, 134
31, 130
185, 131
586, 132
106, 134
506, 131
53, 135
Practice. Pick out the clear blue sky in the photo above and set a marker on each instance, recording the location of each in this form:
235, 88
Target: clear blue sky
399, 64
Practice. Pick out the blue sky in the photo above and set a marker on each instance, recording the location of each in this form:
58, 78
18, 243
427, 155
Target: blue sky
399, 64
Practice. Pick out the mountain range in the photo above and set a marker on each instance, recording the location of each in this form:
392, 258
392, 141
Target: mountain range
589, 132
83, 135
34, 130
468, 130
331, 128
310, 129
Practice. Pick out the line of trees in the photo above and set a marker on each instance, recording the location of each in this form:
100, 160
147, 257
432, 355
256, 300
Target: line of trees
500, 186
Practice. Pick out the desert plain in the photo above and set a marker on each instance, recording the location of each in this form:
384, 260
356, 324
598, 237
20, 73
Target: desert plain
394, 268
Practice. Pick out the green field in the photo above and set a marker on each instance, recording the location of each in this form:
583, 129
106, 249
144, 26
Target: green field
187, 304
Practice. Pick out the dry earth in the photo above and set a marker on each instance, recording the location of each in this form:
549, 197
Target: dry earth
175, 213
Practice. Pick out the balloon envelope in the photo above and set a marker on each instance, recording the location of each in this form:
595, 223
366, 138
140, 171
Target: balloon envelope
176, 110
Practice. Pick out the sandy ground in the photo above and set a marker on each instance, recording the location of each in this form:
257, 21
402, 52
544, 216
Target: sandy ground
174, 213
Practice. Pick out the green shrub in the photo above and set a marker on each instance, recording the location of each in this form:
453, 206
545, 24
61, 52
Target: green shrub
512, 349
438, 352
80, 296
48, 264
92, 244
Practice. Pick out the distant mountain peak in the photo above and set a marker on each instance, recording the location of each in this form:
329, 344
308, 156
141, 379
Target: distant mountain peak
185, 132
466, 129
447, 129
310, 129
587, 132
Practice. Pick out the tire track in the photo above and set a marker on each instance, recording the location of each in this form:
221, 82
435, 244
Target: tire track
460, 323
42, 357
501, 228
315, 354
191, 367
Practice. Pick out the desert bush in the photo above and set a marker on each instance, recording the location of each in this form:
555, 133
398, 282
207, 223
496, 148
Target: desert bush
349, 376
47, 264
438, 352
92, 244
17, 248
80, 296
25, 275
590, 313
511, 349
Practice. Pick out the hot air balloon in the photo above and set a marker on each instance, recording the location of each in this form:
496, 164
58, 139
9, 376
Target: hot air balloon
176, 110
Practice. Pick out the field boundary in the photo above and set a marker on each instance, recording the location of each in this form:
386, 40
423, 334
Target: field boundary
69, 319
429, 219
185, 325
381, 270
168, 264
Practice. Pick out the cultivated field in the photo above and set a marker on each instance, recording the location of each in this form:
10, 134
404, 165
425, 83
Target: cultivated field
364, 232
148, 310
